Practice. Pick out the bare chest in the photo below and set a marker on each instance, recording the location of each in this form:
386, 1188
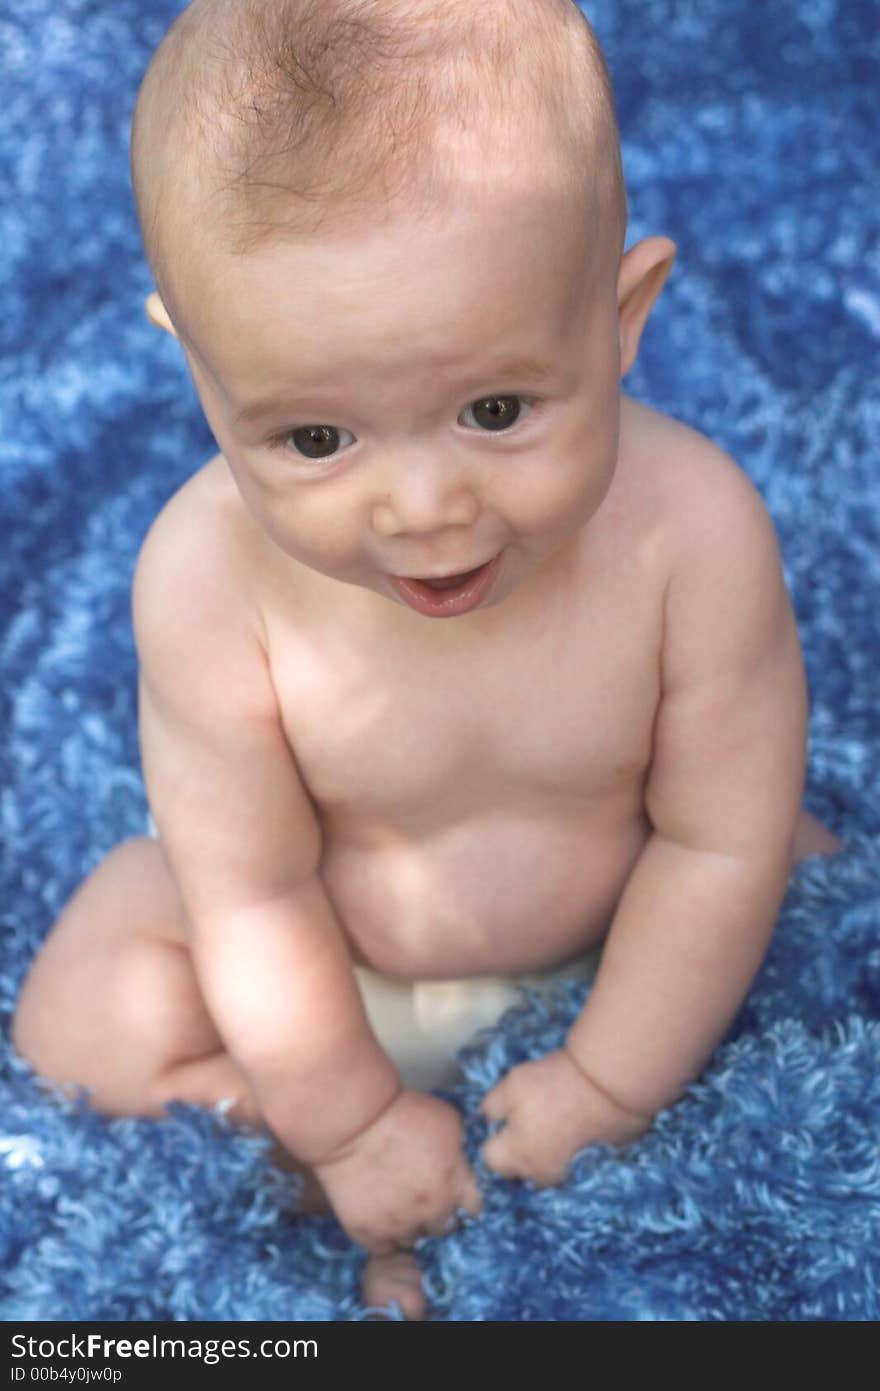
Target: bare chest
556, 715
469, 791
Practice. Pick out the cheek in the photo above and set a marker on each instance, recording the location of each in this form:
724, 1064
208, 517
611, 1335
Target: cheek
311, 523
314, 523
320, 521
564, 487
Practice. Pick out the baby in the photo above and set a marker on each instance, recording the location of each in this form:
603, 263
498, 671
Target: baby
455, 662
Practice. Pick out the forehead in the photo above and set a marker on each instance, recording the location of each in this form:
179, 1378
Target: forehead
436, 296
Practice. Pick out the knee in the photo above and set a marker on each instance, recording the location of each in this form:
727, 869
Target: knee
32, 1031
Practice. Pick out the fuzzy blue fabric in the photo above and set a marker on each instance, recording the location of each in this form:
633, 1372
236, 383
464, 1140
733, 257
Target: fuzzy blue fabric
750, 137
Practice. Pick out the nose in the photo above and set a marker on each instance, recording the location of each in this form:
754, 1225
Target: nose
423, 494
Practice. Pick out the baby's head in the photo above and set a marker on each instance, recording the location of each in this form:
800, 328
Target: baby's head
389, 236
263, 119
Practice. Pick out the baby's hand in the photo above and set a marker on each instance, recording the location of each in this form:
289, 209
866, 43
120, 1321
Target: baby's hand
403, 1177
550, 1110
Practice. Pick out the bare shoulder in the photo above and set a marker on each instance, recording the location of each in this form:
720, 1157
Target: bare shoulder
196, 618
727, 609
701, 508
194, 554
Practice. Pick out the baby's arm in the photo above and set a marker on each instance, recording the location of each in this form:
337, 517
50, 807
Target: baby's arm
244, 845
723, 795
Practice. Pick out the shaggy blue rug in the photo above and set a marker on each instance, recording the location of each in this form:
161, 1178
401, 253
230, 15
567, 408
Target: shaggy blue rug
750, 137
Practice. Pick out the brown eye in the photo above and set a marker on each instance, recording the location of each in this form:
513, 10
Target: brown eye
316, 441
494, 412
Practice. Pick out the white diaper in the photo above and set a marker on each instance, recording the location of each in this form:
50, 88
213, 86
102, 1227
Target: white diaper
422, 1024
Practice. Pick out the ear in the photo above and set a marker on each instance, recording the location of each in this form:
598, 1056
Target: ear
158, 314
642, 275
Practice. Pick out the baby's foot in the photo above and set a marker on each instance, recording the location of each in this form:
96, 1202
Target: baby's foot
395, 1277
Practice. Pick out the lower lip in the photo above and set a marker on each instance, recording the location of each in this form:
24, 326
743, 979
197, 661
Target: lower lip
449, 603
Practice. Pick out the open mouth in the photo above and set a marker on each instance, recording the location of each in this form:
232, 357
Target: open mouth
449, 595
450, 581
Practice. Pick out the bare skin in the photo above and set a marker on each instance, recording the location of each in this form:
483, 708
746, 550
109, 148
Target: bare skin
610, 747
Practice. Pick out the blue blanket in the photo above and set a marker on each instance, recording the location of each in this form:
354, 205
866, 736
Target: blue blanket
750, 137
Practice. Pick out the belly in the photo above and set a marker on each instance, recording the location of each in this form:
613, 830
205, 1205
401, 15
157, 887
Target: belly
490, 895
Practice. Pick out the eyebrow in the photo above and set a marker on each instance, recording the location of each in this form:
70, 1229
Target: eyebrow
258, 409
522, 369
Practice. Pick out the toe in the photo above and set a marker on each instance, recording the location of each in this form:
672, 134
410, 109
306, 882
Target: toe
395, 1277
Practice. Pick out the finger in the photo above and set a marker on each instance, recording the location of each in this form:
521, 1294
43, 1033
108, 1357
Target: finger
444, 1226
494, 1105
497, 1156
470, 1199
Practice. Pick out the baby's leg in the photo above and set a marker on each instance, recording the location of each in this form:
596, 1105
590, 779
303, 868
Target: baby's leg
112, 1004
812, 838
